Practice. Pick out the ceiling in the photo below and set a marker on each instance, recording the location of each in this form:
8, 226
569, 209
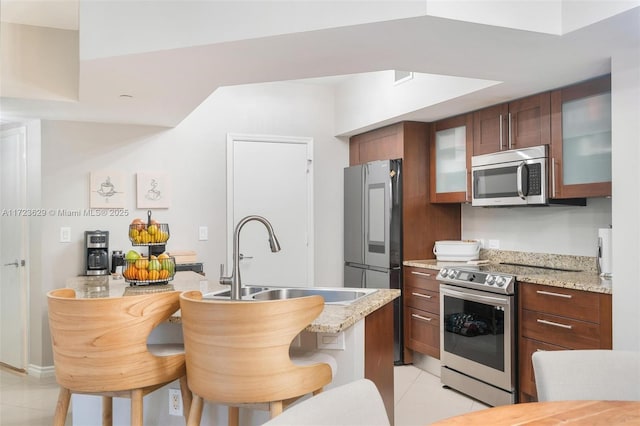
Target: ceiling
164, 86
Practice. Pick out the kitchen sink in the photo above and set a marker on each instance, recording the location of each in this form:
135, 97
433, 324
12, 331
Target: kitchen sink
331, 295
246, 291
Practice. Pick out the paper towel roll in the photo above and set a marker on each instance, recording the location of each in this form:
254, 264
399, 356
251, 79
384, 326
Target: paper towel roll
604, 252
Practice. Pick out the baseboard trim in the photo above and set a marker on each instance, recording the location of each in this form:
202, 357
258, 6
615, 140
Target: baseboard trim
40, 371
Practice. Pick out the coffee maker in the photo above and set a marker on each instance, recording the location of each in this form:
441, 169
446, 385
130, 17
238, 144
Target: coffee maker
97, 252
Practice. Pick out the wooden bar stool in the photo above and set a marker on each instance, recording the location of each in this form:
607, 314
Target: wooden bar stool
237, 352
100, 348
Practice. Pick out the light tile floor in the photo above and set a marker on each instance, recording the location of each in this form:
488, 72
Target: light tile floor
420, 399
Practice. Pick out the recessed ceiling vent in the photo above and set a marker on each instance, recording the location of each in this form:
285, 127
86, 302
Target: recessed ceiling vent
401, 76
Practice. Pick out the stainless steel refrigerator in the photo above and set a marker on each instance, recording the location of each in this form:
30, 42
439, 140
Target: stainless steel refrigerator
373, 232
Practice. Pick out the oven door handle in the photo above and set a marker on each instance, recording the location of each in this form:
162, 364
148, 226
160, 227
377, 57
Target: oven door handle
473, 297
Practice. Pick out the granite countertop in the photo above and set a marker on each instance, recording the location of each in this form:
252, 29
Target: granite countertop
585, 281
333, 319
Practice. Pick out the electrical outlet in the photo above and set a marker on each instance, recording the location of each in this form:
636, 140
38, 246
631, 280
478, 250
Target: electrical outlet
203, 233
175, 402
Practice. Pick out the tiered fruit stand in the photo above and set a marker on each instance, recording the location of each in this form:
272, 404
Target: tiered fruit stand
157, 268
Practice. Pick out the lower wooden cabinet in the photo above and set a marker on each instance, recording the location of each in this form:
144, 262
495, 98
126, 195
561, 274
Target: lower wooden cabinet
553, 318
421, 298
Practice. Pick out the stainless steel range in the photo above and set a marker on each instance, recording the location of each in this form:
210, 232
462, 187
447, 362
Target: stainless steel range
478, 332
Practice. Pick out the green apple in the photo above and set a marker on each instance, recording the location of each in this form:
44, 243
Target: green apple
132, 256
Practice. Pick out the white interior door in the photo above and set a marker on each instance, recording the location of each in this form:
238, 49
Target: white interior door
271, 176
13, 287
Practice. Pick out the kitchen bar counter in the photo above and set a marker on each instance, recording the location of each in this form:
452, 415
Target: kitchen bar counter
359, 336
333, 319
585, 281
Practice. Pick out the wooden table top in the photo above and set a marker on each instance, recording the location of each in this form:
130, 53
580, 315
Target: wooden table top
553, 412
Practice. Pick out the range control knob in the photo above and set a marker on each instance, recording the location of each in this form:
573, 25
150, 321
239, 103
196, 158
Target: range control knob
501, 281
490, 280
443, 272
452, 273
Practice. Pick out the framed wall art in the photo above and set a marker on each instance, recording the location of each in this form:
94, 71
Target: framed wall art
106, 190
153, 190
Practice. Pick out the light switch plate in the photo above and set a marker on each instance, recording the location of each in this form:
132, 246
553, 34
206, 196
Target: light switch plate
203, 233
65, 234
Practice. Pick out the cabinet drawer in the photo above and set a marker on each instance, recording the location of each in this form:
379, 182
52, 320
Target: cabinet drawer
527, 377
422, 332
580, 305
425, 300
558, 330
424, 279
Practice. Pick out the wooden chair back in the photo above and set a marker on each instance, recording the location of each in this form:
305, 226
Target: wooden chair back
238, 351
100, 345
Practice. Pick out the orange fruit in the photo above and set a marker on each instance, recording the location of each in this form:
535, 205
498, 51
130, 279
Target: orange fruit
131, 273
164, 274
143, 274
154, 275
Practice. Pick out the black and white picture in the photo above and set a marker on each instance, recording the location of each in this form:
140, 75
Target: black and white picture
153, 190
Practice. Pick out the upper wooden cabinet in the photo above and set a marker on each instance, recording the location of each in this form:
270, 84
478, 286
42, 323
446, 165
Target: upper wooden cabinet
581, 139
423, 223
450, 164
518, 124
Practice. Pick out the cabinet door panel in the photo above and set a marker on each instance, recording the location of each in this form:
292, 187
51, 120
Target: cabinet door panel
422, 299
422, 332
581, 139
530, 121
562, 331
527, 377
424, 279
575, 304
451, 149
489, 132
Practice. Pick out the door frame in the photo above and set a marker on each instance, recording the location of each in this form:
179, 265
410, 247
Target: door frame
232, 138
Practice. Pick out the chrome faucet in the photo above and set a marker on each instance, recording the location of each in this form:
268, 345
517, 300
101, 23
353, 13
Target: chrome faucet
234, 279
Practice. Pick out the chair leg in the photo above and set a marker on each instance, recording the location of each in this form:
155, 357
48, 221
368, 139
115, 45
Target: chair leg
107, 411
186, 398
275, 408
136, 407
195, 413
62, 407
234, 416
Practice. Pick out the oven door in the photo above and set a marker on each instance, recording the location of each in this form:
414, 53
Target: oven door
477, 335
507, 184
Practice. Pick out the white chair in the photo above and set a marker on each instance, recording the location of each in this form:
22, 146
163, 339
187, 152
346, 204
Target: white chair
587, 375
355, 404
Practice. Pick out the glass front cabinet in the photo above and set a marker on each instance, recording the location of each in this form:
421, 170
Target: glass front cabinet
450, 164
581, 139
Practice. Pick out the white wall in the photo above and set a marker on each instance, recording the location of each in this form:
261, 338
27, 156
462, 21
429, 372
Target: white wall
193, 153
557, 230
625, 106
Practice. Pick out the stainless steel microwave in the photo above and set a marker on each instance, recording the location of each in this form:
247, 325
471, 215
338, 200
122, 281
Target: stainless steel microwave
510, 178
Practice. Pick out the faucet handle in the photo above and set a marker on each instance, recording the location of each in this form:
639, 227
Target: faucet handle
224, 280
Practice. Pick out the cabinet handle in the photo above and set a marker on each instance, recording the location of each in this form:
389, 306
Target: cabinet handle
555, 324
422, 274
549, 293
509, 118
500, 132
426, 296
553, 177
420, 317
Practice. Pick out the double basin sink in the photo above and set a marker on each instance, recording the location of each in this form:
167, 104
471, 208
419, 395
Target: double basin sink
335, 296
